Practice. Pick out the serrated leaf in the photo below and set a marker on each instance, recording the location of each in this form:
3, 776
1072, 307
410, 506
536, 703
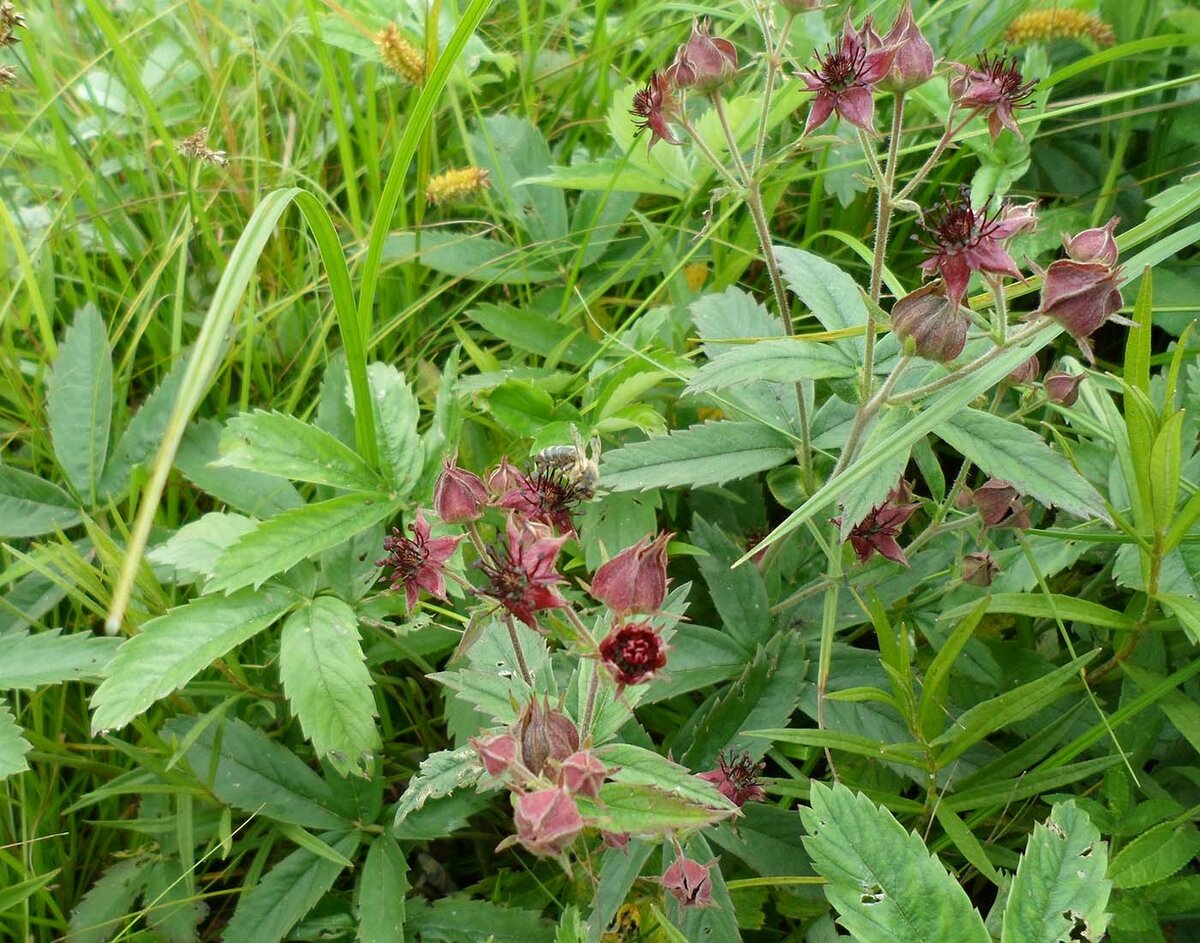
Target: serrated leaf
829, 293
382, 888
14, 894
30, 661
175, 647
280, 542
327, 682
645, 810
31, 506
144, 433
705, 454
249, 492
723, 319
174, 911
1155, 855
463, 920
783, 361
396, 414
249, 771
637, 765
1059, 883
1186, 610
192, 551
282, 445
104, 909
1004, 449
439, 775
619, 868
79, 401
286, 894
13, 745
883, 882
740, 594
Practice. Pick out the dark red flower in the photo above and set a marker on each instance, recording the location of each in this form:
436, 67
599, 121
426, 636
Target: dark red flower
635, 580
652, 106
736, 778
689, 882
912, 63
877, 532
995, 88
547, 821
963, 240
1081, 296
846, 77
417, 561
1062, 388
704, 62
1000, 505
633, 653
459, 496
546, 495
521, 574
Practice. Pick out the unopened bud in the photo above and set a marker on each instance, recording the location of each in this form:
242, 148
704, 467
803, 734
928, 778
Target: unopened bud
912, 64
504, 478
635, 580
704, 62
1081, 296
999, 505
459, 496
1025, 373
583, 774
1062, 389
689, 882
547, 821
498, 753
979, 569
926, 318
544, 733
1094, 245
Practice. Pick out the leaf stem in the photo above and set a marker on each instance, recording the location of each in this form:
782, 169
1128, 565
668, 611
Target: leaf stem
516, 644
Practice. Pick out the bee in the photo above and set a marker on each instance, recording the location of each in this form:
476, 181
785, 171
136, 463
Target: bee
579, 464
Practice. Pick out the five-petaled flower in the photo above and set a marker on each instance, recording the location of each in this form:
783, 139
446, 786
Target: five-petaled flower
417, 562
635, 580
521, 574
652, 106
846, 77
995, 88
633, 653
736, 778
689, 882
546, 495
963, 240
877, 532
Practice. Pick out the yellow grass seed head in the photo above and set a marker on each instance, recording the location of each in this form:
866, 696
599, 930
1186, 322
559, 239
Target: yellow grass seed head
1047, 25
399, 55
454, 185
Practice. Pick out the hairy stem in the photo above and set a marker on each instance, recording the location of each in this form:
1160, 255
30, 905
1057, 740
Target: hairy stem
774, 61
516, 644
951, 132
589, 706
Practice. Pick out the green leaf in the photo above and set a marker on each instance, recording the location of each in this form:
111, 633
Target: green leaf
765, 695
966, 842
619, 868
1003, 449
638, 766
1059, 892
512, 149
1042, 606
908, 754
286, 894
327, 683
382, 888
828, 292
705, 454
726, 320
396, 416
786, 360
930, 717
439, 775
280, 542
31, 506
1007, 708
249, 771
193, 550
13, 745
645, 810
740, 595
462, 920
30, 661
287, 447
530, 331
175, 647
884, 884
106, 907
1186, 610
143, 434
1155, 855
14, 894
1034, 783
79, 401
473, 256
249, 492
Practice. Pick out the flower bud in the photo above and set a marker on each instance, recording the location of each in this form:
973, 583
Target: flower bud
1094, 245
1081, 296
689, 882
582, 774
999, 505
1025, 373
616, 840
979, 569
1062, 389
459, 496
504, 478
547, 821
704, 62
936, 328
635, 580
544, 733
633, 653
912, 64
498, 752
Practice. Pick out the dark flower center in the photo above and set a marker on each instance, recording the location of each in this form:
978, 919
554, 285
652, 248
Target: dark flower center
742, 771
406, 555
1004, 73
636, 652
840, 68
954, 225
507, 582
554, 492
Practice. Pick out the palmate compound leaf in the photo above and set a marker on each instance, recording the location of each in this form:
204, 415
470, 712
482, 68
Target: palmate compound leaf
1059, 891
328, 684
1004, 449
883, 882
175, 647
704, 454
